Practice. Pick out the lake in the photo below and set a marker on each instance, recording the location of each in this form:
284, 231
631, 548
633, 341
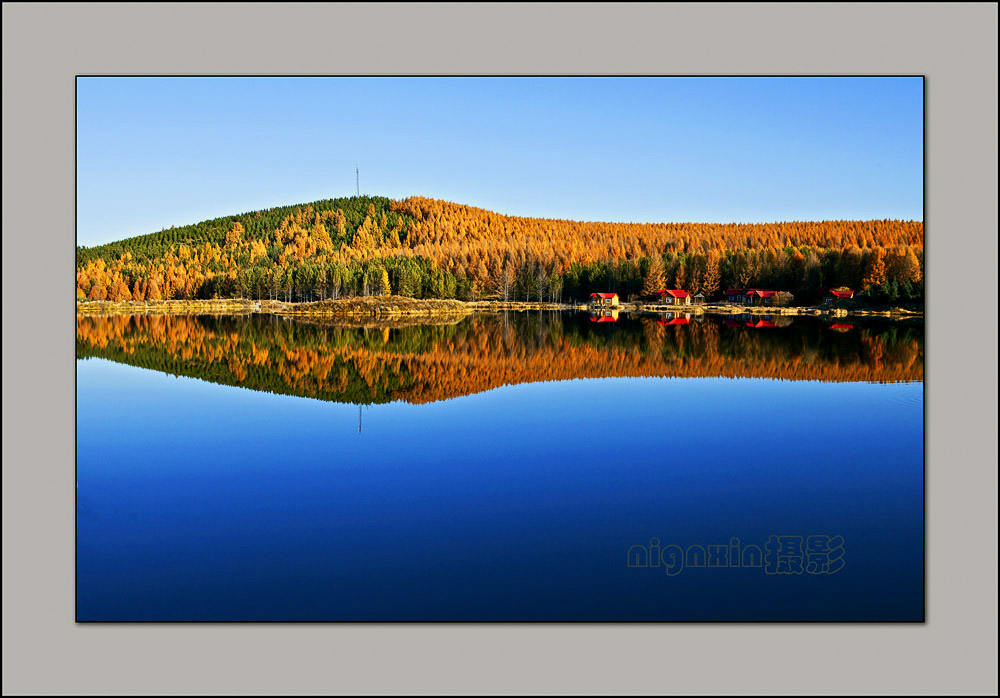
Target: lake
532, 466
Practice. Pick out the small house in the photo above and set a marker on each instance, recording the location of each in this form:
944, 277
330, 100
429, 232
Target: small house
699, 299
759, 296
784, 298
674, 297
604, 300
839, 294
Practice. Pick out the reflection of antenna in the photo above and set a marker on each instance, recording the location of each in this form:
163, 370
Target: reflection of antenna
357, 180
359, 420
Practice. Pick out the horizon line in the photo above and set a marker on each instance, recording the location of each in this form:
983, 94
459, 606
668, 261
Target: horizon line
499, 213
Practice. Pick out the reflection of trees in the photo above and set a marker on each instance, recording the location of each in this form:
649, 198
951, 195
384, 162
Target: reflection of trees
424, 363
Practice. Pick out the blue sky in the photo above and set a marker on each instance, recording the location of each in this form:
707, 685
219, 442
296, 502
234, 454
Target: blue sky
156, 152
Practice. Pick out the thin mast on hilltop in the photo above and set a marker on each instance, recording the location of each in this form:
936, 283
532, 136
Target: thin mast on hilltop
357, 180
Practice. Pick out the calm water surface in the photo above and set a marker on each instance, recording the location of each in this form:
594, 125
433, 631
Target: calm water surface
503, 467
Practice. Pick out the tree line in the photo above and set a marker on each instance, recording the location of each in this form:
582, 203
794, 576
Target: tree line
432, 249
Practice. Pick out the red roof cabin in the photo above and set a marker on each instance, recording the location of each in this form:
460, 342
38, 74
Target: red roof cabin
759, 296
674, 297
604, 300
752, 296
839, 294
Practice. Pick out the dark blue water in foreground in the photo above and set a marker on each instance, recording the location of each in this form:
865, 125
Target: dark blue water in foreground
203, 501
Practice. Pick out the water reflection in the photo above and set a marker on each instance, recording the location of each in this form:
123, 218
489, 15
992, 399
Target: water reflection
197, 502
421, 363
604, 315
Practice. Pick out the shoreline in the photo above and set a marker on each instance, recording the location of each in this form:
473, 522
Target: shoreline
385, 307
361, 307
793, 310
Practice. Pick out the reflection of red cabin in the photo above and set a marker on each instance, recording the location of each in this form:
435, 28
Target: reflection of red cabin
761, 323
603, 318
841, 326
675, 321
675, 297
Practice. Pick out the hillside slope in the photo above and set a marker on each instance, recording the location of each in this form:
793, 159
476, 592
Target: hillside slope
427, 248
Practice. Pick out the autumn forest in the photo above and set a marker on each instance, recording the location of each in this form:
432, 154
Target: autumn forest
427, 248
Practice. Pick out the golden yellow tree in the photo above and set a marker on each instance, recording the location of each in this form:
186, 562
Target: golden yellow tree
235, 234
679, 277
875, 270
713, 276
655, 278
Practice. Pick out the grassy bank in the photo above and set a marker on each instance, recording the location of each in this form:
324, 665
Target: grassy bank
378, 307
738, 309
229, 306
389, 307
495, 305
358, 307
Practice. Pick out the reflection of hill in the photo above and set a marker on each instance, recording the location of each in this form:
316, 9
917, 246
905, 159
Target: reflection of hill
373, 323
424, 363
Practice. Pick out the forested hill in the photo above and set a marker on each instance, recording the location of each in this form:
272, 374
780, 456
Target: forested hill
262, 225
427, 248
